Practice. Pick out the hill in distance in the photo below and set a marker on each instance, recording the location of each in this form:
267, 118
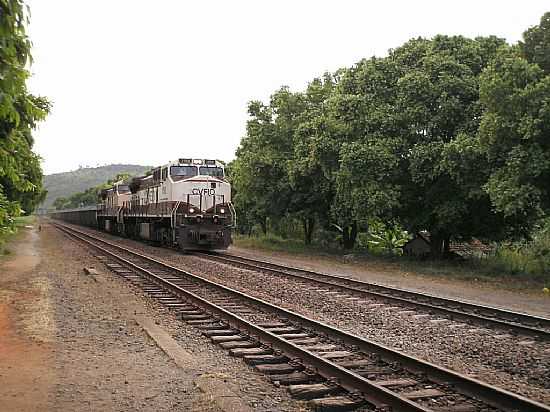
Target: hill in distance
68, 183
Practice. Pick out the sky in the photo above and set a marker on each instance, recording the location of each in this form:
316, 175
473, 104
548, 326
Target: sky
145, 82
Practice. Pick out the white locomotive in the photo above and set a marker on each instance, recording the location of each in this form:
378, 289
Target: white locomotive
186, 202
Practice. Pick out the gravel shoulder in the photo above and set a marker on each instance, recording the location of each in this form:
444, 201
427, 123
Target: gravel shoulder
75, 340
522, 300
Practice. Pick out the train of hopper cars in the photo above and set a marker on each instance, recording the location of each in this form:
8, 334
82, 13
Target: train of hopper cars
185, 203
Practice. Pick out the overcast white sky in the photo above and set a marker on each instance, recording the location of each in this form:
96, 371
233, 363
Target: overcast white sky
144, 82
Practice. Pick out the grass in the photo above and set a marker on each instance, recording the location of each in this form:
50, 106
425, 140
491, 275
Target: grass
276, 243
509, 267
5, 238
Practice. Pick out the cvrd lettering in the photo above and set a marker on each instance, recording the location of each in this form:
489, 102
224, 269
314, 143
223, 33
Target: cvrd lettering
209, 192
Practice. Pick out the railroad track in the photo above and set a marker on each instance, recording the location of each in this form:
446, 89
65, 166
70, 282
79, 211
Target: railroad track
330, 367
514, 322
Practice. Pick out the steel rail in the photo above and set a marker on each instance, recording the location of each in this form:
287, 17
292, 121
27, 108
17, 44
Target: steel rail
412, 300
494, 396
352, 382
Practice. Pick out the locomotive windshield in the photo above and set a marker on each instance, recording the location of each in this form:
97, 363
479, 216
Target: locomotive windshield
211, 171
183, 171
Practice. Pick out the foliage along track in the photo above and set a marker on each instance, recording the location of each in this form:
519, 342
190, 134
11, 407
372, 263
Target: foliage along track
329, 367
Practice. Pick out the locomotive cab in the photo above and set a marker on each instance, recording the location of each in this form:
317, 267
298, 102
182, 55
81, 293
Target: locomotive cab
207, 213
186, 202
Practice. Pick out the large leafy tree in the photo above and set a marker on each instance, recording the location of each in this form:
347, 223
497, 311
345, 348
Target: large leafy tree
260, 172
312, 192
535, 46
448, 135
274, 175
411, 151
20, 172
515, 129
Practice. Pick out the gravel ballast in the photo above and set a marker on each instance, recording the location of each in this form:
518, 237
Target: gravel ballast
100, 358
517, 364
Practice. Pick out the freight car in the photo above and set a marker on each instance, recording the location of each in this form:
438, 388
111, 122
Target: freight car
84, 216
185, 203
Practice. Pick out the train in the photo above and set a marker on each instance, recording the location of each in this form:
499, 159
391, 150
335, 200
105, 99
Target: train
185, 203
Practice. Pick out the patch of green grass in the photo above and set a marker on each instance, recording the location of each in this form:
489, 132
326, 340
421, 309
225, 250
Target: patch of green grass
276, 243
489, 269
25, 220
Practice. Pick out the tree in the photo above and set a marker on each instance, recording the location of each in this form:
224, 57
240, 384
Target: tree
515, 132
448, 135
535, 46
20, 171
260, 171
312, 193
410, 151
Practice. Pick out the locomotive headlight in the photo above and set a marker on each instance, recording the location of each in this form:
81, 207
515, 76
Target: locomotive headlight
191, 210
222, 210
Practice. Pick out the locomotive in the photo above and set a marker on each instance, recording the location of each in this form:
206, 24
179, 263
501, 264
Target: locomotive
185, 203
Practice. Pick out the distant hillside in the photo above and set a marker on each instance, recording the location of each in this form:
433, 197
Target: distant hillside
67, 183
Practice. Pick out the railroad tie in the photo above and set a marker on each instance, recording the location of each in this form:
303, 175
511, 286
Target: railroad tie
227, 338
291, 336
336, 403
423, 393
336, 354
262, 359
160, 294
271, 325
307, 341
293, 378
283, 330
205, 321
180, 306
314, 390
396, 383
373, 372
219, 332
187, 312
456, 408
211, 326
357, 363
195, 317
321, 348
238, 344
276, 368
251, 352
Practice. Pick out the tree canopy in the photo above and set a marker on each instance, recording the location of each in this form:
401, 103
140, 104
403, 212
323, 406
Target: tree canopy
20, 169
515, 128
448, 135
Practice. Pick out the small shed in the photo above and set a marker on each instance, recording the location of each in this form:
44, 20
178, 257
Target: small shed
418, 246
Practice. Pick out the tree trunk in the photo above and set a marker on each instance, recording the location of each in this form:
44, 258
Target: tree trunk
447, 246
309, 224
437, 241
349, 235
263, 225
